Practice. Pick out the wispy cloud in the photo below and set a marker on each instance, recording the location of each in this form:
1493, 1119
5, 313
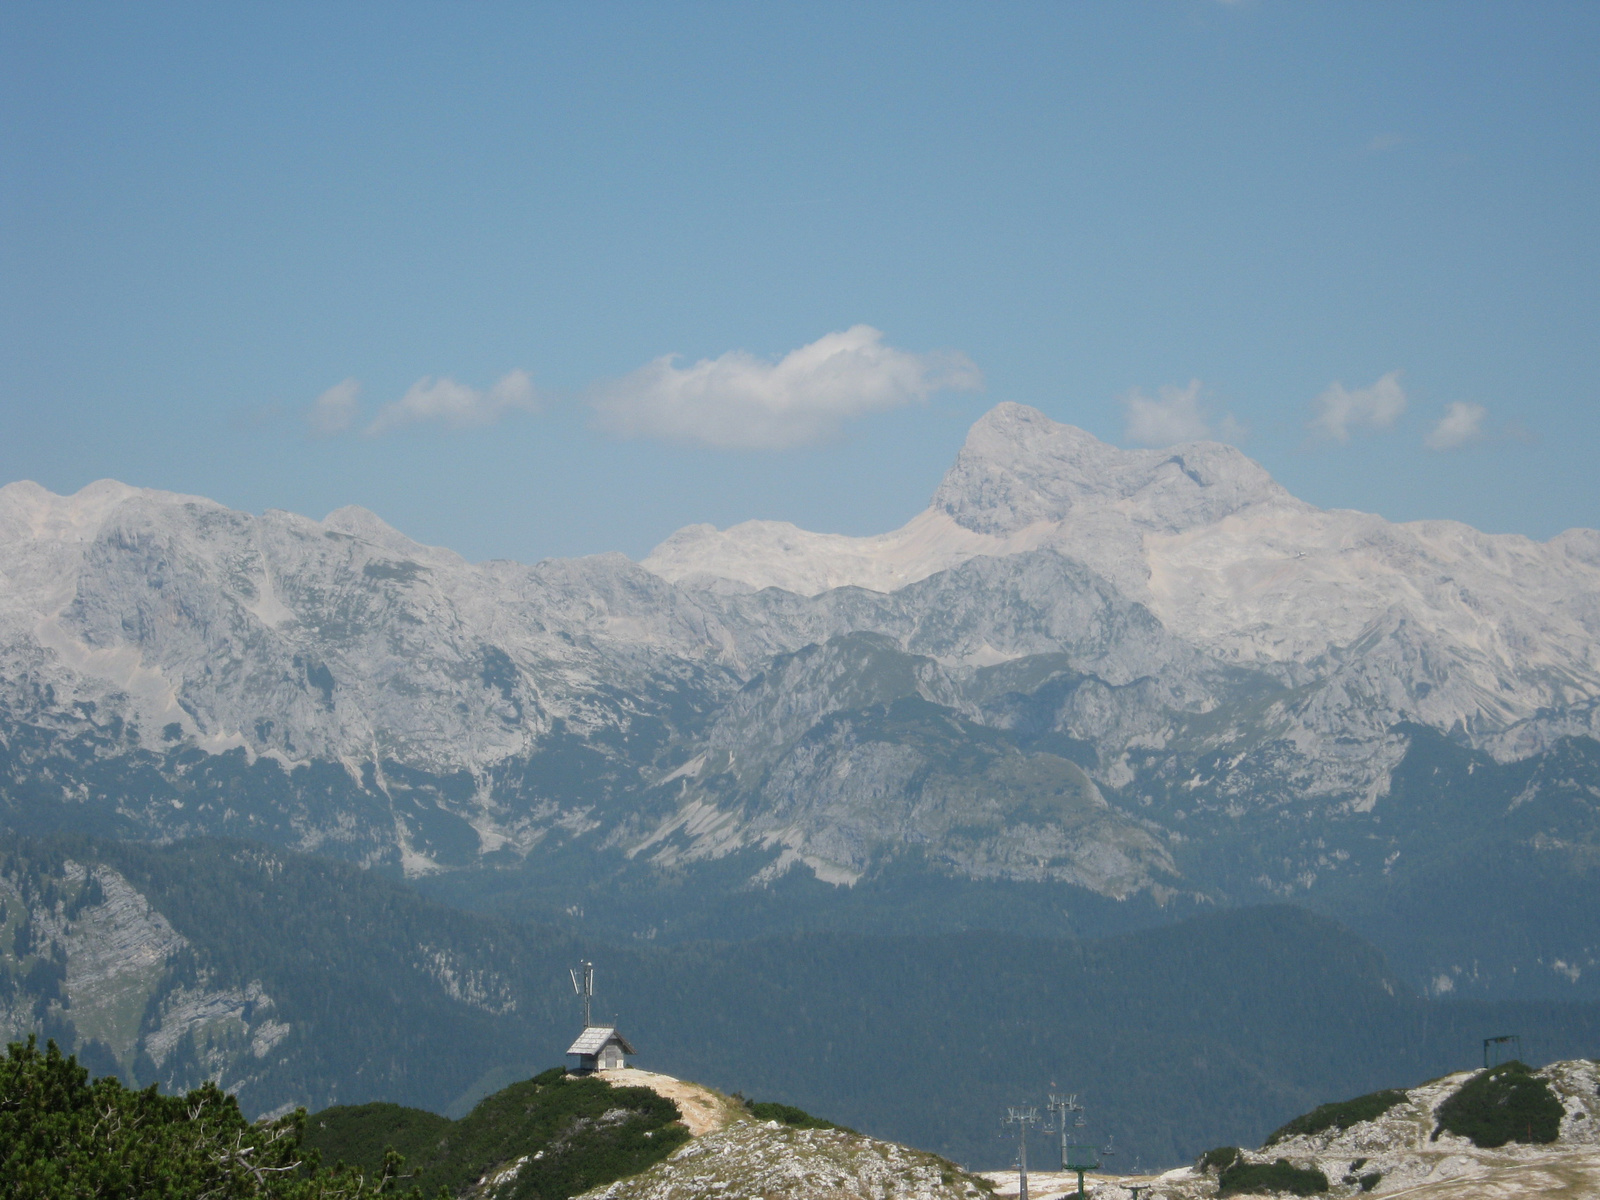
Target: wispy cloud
740, 401
455, 405
1461, 424
1174, 415
1341, 411
335, 410
442, 400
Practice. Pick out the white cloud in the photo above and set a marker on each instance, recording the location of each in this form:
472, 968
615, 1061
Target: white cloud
1377, 407
455, 405
1175, 415
335, 410
739, 401
1461, 423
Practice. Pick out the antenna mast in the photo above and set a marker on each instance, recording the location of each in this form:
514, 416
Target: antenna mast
583, 985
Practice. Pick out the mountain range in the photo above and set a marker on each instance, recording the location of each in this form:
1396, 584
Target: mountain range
1091, 686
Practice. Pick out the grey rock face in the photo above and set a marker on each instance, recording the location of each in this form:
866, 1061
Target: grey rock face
1075, 653
127, 984
847, 753
1019, 468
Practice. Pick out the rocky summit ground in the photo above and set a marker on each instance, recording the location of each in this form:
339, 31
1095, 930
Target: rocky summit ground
736, 1157
765, 1160
1400, 1149
1402, 1153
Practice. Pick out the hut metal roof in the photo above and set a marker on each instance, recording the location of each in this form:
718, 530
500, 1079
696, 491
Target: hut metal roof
593, 1040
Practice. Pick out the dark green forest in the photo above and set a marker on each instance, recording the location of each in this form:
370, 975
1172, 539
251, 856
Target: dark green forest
1217, 1029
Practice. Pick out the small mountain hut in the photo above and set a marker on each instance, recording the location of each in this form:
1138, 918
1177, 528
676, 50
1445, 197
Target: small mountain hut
599, 1048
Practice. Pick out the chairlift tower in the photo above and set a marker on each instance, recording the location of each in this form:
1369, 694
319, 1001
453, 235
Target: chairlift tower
1068, 1114
1022, 1118
1505, 1039
1077, 1157
1082, 1159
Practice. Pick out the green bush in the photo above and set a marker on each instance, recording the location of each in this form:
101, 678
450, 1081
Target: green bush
1366, 1182
63, 1137
788, 1114
362, 1134
1507, 1103
1281, 1176
1340, 1115
1222, 1158
574, 1133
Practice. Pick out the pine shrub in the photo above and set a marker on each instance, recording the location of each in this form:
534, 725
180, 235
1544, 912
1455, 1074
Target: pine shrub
1222, 1157
63, 1137
1507, 1103
1339, 1115
1280, 1176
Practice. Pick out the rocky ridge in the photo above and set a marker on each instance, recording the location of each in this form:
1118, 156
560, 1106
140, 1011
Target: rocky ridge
1080, 666
1429, 621
750, 1160
1404, 1152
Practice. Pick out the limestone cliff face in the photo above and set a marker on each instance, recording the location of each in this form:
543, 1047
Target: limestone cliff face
1494, 636
94, 960
105, 972
1078, 661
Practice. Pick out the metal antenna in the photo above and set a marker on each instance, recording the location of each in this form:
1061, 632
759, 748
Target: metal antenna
583, 985
1022, 1118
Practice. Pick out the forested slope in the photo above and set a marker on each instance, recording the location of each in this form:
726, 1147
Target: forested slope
1214, 1029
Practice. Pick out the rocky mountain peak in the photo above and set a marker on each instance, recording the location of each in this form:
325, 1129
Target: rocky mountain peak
1018, 468
33, 513
1020, 482
367, 526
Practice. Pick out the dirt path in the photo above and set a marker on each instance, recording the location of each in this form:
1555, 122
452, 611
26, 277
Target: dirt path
1576, 1175
704, 1111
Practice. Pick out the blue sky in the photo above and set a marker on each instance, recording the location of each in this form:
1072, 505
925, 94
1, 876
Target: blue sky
872, 222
